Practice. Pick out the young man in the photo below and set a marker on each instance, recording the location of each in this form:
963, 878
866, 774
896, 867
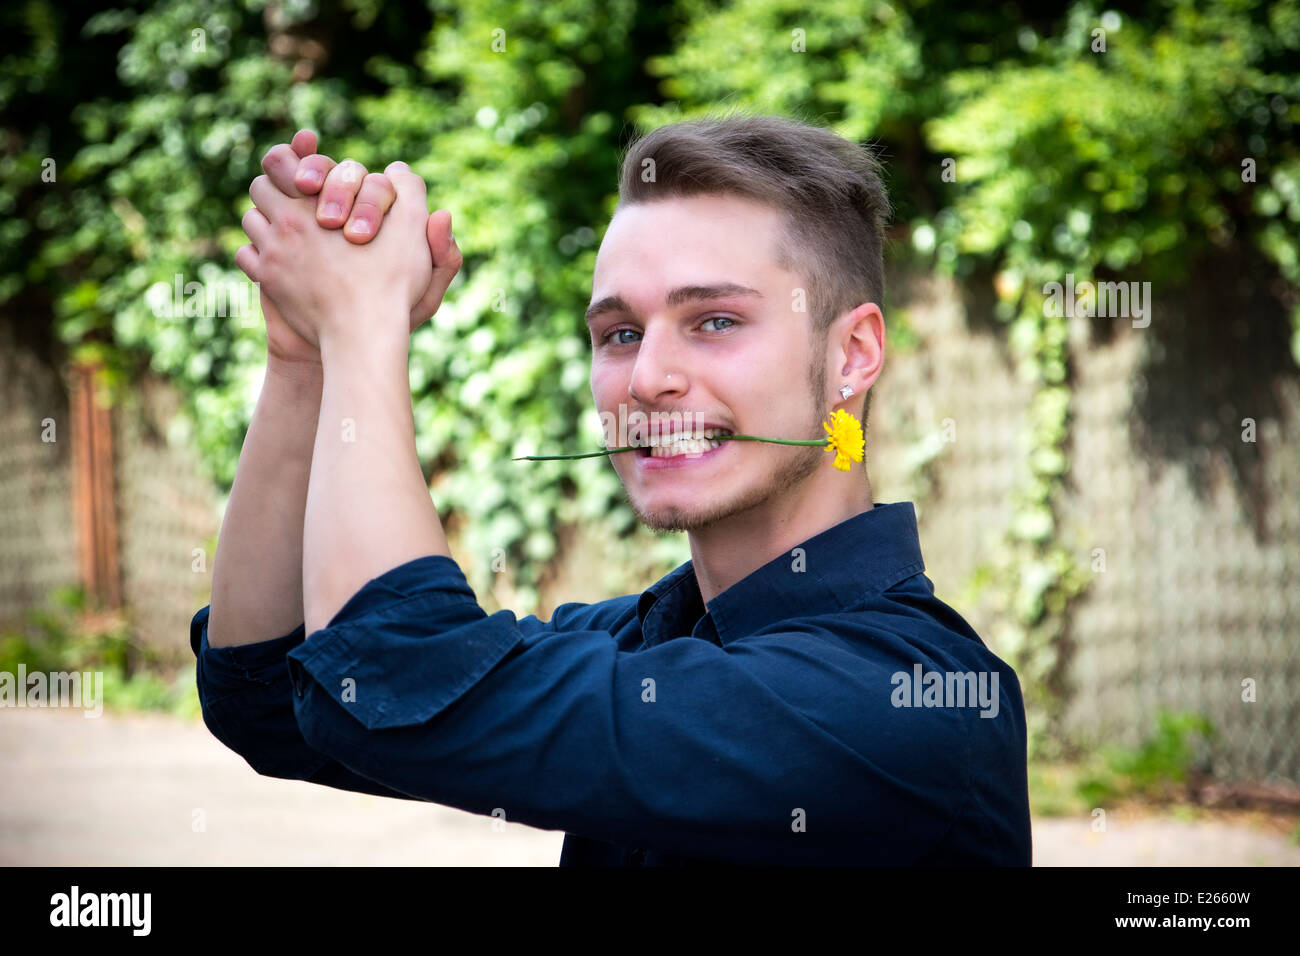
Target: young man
793, 694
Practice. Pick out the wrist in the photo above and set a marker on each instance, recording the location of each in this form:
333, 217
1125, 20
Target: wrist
285, 419
292, 392
377, 328
302, 373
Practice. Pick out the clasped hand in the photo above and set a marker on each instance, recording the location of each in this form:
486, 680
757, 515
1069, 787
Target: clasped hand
320, 282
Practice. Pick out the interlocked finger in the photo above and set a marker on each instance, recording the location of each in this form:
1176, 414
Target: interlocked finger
376, 197
342, 184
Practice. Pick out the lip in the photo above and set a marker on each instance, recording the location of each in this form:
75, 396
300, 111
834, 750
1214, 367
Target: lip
646, 463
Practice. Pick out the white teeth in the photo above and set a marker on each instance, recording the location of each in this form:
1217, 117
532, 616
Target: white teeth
686, 446
685, 443
683, 436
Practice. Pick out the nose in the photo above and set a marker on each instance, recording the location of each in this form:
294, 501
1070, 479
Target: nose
656, 373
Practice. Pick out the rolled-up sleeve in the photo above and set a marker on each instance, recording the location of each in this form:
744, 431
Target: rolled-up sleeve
777, 746
246, 700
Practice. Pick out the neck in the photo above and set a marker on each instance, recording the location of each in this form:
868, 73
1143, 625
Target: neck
735, 547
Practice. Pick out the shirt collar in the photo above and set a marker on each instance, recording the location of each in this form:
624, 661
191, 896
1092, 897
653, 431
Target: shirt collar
832, 570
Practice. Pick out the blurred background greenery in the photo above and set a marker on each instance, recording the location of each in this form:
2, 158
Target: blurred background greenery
1023, 142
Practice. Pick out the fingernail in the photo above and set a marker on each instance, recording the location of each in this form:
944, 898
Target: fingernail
333, 210
361, 228
312, 176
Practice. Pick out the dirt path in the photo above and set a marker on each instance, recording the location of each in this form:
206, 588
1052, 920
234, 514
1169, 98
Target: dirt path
124, 790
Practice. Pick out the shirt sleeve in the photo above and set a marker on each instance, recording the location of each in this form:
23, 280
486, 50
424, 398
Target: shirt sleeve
247, 704
779, 746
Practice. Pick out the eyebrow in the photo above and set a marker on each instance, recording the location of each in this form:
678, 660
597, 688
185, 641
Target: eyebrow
678, 296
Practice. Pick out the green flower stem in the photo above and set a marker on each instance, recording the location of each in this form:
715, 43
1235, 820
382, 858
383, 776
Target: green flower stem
614, 451
777, 441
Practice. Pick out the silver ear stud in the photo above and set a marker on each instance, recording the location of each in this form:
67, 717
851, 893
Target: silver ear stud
846, 390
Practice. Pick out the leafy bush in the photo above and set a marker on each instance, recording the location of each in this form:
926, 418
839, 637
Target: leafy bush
53, 640
1153, 769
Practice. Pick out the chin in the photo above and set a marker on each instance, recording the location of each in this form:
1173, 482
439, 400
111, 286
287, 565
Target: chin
669, 519
681, 516
670, 513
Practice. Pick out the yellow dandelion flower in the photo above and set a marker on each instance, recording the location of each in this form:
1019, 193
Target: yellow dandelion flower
845, 438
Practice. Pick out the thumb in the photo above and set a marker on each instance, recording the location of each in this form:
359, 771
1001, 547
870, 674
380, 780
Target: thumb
442, 246
447, 260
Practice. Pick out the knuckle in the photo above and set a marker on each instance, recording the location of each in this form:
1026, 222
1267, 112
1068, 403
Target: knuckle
275, 155
350, 172
273, 257
333, 197
290, 225
379, 183
339, 191
321, 164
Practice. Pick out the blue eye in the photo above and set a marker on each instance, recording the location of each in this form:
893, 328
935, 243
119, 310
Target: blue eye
608, 335
611, 337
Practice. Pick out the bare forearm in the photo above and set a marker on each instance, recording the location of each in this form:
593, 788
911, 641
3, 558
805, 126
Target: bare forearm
257, 591
368, 508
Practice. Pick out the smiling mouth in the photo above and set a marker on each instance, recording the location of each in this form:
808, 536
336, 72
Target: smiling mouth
697, 444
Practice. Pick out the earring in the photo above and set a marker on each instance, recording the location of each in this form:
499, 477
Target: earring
846, 390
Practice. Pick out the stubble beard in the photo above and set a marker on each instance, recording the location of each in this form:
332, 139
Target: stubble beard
786, 471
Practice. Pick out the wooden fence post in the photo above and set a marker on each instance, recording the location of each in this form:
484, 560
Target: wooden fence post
94, 491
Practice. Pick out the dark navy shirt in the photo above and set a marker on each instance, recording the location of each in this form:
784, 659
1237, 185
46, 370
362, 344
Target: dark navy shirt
822, 710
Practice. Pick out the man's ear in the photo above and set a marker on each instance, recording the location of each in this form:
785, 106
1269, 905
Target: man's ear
863, 346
